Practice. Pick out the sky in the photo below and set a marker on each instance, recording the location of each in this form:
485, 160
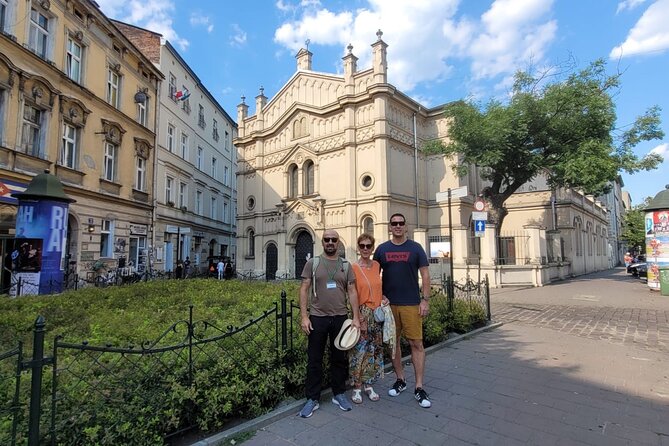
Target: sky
438, 50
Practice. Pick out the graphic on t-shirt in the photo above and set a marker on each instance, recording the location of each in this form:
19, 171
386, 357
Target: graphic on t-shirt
397, 256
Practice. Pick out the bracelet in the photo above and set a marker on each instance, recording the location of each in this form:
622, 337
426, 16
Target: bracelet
427, 299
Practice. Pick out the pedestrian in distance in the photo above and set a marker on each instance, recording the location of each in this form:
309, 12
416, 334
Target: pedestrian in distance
220, 267
366, 358
187, 267
401, 261
327, 280
228, 270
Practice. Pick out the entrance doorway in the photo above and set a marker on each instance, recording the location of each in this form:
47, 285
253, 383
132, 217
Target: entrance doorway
271, 262
304, 249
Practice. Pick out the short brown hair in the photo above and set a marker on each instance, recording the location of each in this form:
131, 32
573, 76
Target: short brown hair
366, 236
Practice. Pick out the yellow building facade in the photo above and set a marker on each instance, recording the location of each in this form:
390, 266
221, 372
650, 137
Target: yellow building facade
78, 99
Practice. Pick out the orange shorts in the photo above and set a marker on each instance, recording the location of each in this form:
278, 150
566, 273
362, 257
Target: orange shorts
408, 321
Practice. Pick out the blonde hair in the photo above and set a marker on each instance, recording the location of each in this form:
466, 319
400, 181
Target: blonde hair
365, 236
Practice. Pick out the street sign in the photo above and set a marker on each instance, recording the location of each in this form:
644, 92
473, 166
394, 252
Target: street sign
480, 216
479, 228
455, 193
479, 204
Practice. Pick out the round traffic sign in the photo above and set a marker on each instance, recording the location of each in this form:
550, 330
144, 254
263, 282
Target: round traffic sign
479, 204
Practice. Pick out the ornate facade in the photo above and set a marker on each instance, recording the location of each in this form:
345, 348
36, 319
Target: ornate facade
78, 98
344, 152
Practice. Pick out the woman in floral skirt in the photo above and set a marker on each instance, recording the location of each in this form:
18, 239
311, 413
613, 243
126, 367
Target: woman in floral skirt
366, 358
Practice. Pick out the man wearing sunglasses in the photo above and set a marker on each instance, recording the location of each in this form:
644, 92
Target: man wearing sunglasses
401, 260
326, 287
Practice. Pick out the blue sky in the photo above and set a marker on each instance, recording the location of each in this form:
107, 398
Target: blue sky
439, 50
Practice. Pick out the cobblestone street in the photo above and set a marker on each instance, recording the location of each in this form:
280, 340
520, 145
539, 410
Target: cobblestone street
622, 312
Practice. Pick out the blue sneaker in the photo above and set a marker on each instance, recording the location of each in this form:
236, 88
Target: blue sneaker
343, 402
308, 409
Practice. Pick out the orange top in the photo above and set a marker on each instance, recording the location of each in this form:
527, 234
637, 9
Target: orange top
368, 284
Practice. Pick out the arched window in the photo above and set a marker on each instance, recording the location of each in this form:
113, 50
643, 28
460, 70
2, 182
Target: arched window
252, 243
368, 225
308, 178
292, 181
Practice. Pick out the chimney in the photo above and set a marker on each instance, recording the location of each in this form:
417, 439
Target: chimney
380, 64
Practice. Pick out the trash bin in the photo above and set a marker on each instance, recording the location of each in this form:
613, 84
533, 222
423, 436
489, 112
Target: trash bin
664, 281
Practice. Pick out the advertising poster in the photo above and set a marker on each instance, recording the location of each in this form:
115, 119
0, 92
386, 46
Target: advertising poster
657, 245
440, 250
42, 225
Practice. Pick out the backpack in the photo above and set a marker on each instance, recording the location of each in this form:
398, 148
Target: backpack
317, 260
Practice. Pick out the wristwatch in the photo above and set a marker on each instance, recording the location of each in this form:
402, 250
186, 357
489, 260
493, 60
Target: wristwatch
427, 299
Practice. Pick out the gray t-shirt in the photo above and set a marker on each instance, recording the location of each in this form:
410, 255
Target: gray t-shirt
328, 301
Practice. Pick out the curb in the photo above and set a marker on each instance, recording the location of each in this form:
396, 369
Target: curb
294, 407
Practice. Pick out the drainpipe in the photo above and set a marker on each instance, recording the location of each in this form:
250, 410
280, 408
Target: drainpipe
553, 200
415, 165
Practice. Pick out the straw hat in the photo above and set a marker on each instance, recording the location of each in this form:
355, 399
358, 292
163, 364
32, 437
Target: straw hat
348, 336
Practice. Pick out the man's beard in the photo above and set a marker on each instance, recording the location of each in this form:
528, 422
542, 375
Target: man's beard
330, 249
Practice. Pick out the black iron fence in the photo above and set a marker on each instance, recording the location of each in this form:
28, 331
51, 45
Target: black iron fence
475, 296
188, 378
86, 394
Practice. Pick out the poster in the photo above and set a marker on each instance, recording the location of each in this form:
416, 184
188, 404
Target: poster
657, 245
41, 231
440, 250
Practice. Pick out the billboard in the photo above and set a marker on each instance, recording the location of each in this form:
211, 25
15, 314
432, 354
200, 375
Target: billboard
657, 245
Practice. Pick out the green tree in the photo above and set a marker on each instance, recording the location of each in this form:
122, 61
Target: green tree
562, 127
634, 231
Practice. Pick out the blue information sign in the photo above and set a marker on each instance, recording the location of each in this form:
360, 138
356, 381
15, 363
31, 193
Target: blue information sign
479, 228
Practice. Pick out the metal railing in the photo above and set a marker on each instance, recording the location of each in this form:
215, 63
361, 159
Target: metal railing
77, 383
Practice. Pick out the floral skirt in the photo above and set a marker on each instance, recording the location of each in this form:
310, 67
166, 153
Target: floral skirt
366, 358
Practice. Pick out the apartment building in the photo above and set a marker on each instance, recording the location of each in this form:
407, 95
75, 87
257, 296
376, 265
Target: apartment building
195, 182
77, 98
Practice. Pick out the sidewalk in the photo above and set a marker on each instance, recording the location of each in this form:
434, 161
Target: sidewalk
579, 362
509, 386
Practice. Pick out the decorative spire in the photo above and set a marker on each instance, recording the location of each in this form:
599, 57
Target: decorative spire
243, 99
306, 44
379, 34
350, 48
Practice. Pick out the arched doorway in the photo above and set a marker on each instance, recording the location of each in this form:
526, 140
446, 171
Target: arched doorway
271, 261
304, 249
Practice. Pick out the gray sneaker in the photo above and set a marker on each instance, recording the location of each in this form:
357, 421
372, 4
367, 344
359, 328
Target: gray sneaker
308, 409
342, 401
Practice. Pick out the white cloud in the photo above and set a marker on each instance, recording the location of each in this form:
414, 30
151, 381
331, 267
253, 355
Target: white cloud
238, 37
426, 37
150, 14
662, 150
628, 4
197, 19
650, 34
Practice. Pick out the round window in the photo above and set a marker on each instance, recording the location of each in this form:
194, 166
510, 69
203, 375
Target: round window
250, 202
366, 181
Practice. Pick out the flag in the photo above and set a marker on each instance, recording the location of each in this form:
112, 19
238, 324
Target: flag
182, 95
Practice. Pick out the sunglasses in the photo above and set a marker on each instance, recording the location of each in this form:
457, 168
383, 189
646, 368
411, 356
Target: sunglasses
365, 245
397, 223
330, 239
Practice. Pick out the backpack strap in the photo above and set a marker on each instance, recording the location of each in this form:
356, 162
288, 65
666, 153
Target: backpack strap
316, 261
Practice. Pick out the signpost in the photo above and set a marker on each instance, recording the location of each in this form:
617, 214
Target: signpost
479, 228
447, 196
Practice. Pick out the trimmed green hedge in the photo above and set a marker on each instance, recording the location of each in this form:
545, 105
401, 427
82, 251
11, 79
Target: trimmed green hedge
110, 398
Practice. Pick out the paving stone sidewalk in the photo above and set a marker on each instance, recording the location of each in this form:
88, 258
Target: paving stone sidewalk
515, 385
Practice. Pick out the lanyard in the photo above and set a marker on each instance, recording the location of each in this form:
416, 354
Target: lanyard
332, 273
